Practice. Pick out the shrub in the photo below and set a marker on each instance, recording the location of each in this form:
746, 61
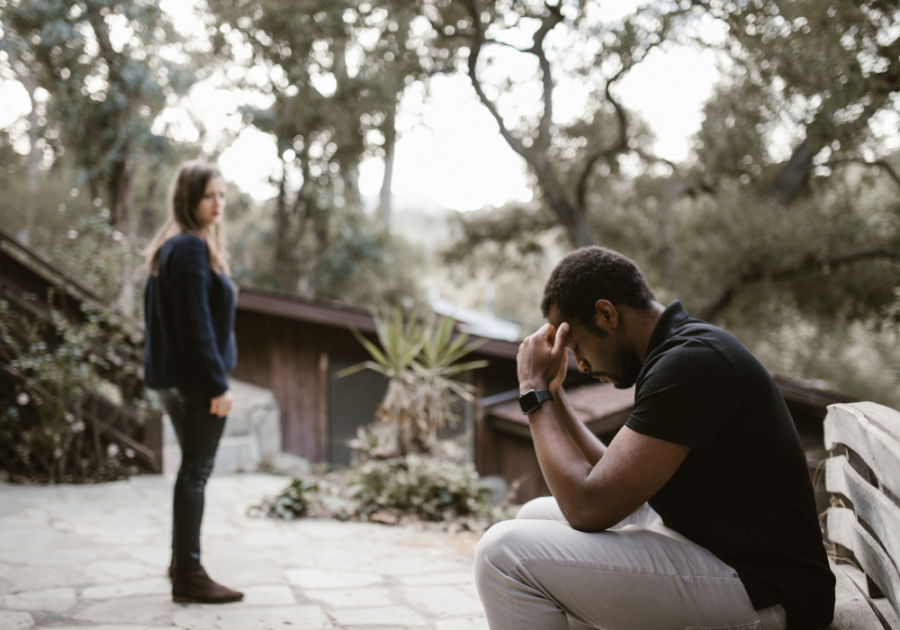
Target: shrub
56, 373
419, 358
430, 488
293, 502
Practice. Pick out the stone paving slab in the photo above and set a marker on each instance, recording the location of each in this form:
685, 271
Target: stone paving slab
95, 558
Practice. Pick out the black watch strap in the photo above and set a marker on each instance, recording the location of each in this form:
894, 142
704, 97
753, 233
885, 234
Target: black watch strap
531, 400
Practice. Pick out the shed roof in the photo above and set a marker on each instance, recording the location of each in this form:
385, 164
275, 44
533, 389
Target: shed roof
339, 315
603, 408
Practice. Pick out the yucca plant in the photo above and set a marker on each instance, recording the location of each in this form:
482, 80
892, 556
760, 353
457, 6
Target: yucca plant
419, 359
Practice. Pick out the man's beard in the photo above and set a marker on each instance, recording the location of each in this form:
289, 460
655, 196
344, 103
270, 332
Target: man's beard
631, 367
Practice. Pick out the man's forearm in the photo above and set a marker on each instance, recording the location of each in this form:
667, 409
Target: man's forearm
564, 466
589, 444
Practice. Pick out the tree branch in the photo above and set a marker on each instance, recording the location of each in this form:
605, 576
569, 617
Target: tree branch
621, 141
548, 23
478, 40
497, 42
882, 164
758, 274
617, 146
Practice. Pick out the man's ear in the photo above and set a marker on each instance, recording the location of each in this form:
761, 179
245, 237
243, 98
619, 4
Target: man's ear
606, 316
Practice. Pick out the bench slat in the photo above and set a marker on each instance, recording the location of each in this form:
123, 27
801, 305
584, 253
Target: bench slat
843, 528
851, 609
870, 505
873, 432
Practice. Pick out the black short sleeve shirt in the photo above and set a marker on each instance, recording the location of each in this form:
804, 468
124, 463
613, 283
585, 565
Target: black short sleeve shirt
743, 492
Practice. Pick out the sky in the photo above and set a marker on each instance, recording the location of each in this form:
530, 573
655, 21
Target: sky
450, 152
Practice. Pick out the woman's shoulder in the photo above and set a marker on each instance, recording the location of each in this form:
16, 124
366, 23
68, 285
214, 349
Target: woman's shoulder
184, 252
185, 244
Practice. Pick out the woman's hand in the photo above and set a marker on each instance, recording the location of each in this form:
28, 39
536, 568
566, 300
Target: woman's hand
221, 405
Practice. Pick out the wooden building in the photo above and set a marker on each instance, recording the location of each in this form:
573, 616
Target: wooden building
505, 446
33, 286
296, 347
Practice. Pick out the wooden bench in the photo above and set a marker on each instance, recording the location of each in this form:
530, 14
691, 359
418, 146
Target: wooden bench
863, 522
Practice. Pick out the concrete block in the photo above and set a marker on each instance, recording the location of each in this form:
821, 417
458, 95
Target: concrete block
55, 600
10, 620
152, 610
324, 578
153, 586
252, 432
239, 617
272, 595
442, 601
352, 597
392, 616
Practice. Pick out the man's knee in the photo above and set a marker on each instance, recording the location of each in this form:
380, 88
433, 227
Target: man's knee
504, 546
492, 551
541, 508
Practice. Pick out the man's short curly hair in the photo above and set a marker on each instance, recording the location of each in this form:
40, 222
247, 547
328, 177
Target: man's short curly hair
595, 273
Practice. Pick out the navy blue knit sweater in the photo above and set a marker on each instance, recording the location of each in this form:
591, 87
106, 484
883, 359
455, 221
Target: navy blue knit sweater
189, 315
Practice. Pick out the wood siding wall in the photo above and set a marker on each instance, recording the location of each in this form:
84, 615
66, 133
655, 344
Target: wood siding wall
291, 358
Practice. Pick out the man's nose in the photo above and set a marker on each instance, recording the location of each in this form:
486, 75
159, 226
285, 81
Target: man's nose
583, 366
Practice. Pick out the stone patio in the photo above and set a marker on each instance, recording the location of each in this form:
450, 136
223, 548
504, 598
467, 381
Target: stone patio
96, 557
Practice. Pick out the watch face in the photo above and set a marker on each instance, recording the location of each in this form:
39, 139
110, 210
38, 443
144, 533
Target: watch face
529, 401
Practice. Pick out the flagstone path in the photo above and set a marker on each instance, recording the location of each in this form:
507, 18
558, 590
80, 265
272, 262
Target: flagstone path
80, 557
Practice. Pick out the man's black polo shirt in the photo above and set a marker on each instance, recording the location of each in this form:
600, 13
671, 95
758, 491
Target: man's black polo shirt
743, 492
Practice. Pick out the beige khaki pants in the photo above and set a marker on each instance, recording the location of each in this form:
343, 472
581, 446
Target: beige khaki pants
537, 573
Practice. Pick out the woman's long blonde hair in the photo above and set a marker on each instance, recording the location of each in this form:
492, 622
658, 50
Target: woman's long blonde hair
185, 193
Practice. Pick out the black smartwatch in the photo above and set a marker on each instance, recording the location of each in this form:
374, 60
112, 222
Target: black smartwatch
532, 399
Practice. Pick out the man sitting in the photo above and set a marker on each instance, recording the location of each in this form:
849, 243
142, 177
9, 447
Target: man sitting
699, 514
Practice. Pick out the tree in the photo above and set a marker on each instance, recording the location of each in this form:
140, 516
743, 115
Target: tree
108, 68
564, 157
830, 71
335, 73
823, 78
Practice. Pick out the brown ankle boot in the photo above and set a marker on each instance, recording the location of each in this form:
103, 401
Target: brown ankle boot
194, 585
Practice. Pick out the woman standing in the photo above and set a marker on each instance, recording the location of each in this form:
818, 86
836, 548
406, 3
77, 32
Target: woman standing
189, 312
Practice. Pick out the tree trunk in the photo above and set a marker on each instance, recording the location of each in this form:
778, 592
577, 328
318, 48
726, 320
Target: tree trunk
390, 140
350, 176
795, 172
571, 217
147, 222
666, 228
34, 158
285, 263
119, 189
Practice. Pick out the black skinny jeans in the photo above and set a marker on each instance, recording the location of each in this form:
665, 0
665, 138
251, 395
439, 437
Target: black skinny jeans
198, 434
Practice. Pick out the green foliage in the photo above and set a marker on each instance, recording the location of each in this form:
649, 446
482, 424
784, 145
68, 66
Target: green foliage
293, 502
430, 488
104, 90
441, 349
48, 430
513, 238
339, 71
362, 264
419, 359
400, 340
390, 491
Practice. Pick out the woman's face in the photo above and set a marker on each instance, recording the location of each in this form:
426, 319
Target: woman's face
212, 205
